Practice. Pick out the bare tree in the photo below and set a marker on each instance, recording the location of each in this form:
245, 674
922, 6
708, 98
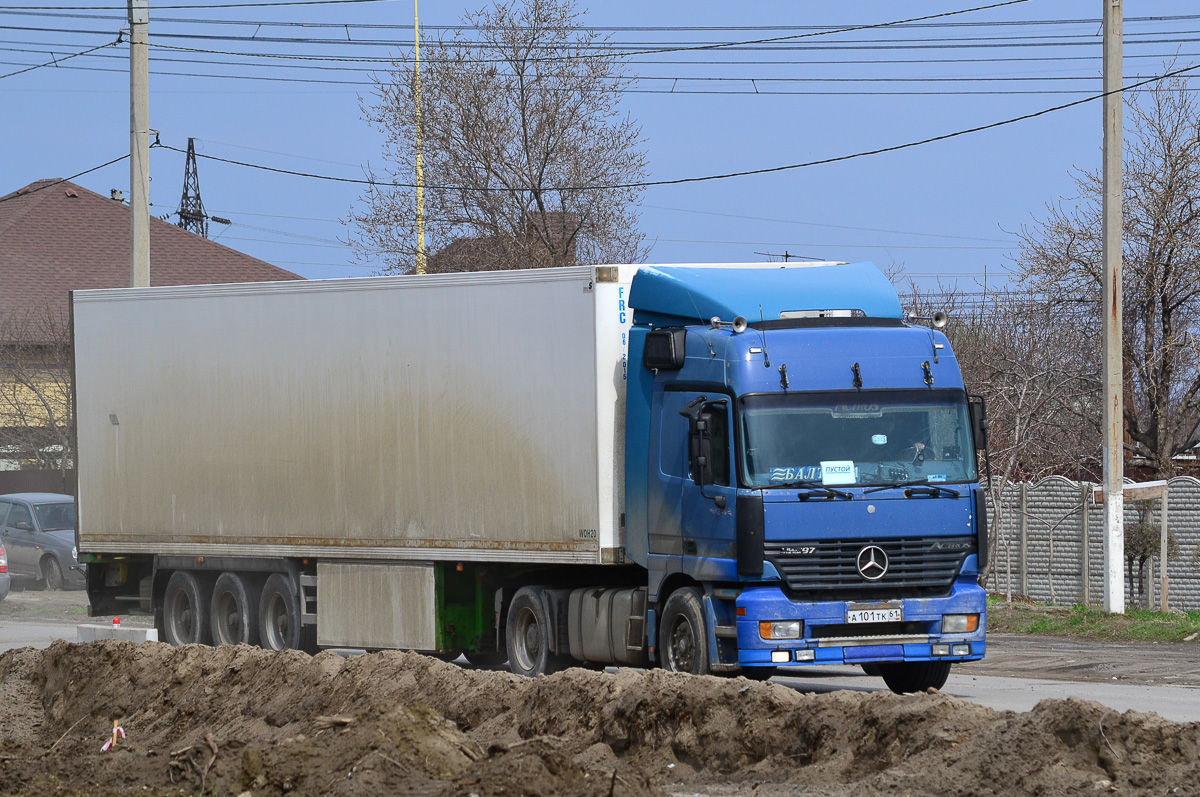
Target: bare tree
527, 158
36, 421
1036, 371
1061, 261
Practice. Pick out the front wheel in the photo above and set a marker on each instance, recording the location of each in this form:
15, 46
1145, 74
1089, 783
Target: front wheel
914, 676
52, 573
682, 634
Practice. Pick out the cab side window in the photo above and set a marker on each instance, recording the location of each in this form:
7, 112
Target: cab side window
4, 505
19, 514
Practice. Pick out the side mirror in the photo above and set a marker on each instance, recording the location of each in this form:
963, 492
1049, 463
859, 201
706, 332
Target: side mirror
979, 423
699, 413
24, 525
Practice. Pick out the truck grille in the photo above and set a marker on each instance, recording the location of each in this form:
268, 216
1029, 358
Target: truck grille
918, 567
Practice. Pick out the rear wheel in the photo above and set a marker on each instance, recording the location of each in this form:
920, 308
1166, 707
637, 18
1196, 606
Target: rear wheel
682, 636
52, 573
529, 635
914, 676
185, 610
234, 611
279, 614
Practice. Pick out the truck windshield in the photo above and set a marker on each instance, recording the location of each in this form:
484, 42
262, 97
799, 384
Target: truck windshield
877, 438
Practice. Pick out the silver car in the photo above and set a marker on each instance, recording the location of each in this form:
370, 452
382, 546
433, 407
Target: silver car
38, 533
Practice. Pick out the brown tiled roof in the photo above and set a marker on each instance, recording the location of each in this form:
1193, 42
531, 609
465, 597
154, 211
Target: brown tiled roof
56, 236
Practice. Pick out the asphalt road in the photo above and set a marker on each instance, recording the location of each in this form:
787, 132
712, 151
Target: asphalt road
1019, 671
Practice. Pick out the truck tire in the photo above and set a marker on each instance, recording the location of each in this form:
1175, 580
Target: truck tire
683, 635
52, 573
185, 610
903, 677
528, 638
234, 611
279, 614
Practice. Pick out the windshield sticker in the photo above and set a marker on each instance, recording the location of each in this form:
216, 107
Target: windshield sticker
938, 477
857, 411
809, 473
838, 472
879, 439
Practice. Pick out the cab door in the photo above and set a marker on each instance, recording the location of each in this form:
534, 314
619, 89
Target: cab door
709, 493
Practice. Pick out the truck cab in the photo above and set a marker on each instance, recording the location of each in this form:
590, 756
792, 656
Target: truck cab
811, 479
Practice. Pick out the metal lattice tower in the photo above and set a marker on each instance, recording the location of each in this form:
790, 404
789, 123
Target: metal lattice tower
191, 210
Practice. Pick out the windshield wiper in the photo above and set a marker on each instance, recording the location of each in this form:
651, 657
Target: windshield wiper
813, 484
927, 488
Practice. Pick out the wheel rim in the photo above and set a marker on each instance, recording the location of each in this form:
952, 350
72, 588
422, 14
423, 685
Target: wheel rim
229, 619
683, 646
527, 639
182, 617
278, 625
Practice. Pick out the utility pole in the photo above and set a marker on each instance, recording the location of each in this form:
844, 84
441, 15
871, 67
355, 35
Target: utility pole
139, 144
420, 169
191, 208
1114, 423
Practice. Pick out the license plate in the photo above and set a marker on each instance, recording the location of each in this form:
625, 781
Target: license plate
875, 616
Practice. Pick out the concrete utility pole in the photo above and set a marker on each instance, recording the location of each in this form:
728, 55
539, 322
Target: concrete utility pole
420, 170
139, 144
1114, 423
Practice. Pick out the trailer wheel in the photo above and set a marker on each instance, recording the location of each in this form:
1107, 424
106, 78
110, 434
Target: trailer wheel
234, 611
682, 635
279, 614
903, 677
528, 636
185, 610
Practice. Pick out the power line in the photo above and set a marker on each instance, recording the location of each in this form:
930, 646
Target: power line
57, 61
63, 180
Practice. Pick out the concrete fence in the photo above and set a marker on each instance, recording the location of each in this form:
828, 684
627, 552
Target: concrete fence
1051, 544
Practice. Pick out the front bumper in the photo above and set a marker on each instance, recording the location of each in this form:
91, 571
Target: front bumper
829, 639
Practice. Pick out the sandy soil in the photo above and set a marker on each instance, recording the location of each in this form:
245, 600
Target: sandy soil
233, 720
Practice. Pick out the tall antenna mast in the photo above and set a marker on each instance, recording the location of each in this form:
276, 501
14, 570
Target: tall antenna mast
191, 210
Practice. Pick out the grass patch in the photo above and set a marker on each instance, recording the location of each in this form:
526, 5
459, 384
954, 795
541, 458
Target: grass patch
1136, 625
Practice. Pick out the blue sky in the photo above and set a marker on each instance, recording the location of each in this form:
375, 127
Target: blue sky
945, 211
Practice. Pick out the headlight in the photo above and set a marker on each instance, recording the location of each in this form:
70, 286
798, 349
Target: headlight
782, 629
960, 623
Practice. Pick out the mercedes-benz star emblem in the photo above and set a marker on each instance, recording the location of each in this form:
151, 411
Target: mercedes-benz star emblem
872, 563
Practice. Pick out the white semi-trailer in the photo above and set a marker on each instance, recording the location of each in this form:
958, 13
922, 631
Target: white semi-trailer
549, 466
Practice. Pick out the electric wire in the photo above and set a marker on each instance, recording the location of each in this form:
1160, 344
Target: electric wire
727, 175
57, 61
63, 180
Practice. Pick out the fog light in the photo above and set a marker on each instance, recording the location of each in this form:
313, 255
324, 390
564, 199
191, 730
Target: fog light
783, 629
780, 657
939, 650
962, 650
806, 655
960, 623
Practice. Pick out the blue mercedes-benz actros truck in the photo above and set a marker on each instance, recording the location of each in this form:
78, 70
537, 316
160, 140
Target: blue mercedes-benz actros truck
707, 468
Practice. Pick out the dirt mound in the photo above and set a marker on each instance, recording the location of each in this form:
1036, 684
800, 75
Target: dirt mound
237, 719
